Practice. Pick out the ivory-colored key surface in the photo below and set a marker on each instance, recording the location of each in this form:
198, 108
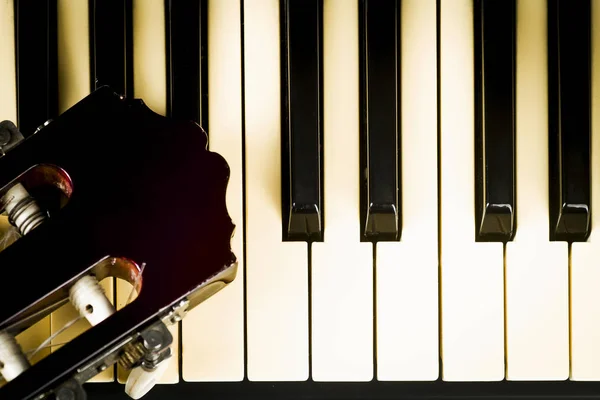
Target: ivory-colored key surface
537, 292
149, 70
585, 257
472, 285
74, 85
73, 53
213, 333
276, 272
407, 271
8, 84
342, 266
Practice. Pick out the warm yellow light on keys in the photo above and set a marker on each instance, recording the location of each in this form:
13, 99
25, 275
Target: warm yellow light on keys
149, 59
66, 315
8, 85
537, 302
472, 285
73, 52
149, 71
74, 85
407, 271
342, 267
585, 257
276, 272
213, 333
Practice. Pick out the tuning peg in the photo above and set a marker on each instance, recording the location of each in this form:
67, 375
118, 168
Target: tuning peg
142, 380
10, 136
86, 295
23, 211
12, 359
90, 301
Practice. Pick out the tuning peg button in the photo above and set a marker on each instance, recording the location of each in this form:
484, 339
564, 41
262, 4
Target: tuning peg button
142, 380
12, 360
89, 300
10, 136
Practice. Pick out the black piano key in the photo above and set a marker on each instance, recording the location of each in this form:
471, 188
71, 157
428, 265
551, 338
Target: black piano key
380, 119
301, 91
187, 66
494, 23
111, 45
36, 63
569, 117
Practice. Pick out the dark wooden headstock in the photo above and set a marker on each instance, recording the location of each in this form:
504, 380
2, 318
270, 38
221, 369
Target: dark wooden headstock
125, 187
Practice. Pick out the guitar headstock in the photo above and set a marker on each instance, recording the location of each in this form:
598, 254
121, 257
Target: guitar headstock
109, 189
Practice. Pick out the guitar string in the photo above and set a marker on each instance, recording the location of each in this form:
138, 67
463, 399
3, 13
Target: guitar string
48, 342
7, 238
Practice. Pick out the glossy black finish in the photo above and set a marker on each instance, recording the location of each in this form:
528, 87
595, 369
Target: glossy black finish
301, 122
495, 115
111, 45
379, 27
187, 62
155, 196
36, 62
357, 391
569, 114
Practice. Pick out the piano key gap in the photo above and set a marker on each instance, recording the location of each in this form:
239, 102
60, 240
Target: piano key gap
244, 200
439, 175
374, 312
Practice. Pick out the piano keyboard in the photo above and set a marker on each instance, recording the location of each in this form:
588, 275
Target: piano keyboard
411, 183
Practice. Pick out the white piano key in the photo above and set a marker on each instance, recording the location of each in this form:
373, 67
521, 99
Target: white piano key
276, 272
585, 309
472, 286
342, 266
585, 257
66, 314
213, 333
537, 299
149, 71
407, 271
